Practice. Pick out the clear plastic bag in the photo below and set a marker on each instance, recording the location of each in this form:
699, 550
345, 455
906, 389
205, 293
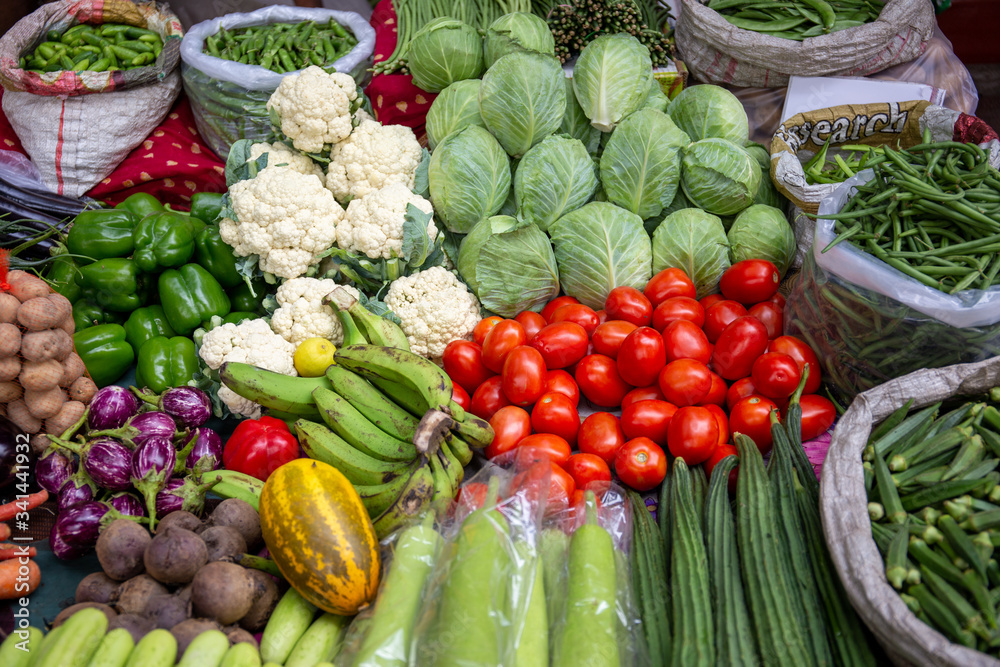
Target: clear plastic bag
228, 98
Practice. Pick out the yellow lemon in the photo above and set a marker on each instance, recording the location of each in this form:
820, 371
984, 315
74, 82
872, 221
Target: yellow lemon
313, 356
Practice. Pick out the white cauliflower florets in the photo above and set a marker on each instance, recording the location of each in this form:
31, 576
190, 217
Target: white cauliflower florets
371, 158
315, 107
250, 342
280, 154
285, 217
435, 308
303, 315
373, 225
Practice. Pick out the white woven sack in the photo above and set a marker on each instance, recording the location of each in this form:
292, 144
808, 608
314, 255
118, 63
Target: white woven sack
847, 528
716, 51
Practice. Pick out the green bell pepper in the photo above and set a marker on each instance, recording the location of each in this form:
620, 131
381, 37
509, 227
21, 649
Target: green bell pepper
190, 296
238, 316
166, 362
62, 277
206, 206
105, 352
114, 283
101, 234
162, 240
141, 204
144, 324
217, 256
243, 300
87, 313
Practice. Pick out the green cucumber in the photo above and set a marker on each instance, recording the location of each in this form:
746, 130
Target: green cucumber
320, 642
693, 640
553, 545
115, 648
16, 649
290, 619
205, 650
649, 580
530, 623
242, 655
157, 649
44, 647
663, 519
82, 633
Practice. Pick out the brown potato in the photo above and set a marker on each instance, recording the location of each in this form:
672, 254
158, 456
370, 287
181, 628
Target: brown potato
9, 368
44, 345
68, 415
82, 390
73, 370
63, 307
38, 314
8, 307
40, 375
40, 443
28, 287
10, 391
45, 404
19, 414
10, 339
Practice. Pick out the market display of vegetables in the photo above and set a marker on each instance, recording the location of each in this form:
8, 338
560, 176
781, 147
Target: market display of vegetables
94, 48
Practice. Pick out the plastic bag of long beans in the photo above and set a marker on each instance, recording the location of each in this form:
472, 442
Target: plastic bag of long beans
229, 97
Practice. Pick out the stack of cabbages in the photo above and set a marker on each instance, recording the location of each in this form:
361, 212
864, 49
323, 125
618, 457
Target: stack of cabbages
587, 183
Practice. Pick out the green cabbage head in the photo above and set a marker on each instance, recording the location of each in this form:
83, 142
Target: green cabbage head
468, 177
719, 176
556, 176
444, 51
468, 251
456, 107
517, 30
611, 79
576, 124
694, 241
516, 268
762, 232
710, 112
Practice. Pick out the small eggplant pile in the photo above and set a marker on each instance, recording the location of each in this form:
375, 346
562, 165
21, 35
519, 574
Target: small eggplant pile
133, 455
33, 220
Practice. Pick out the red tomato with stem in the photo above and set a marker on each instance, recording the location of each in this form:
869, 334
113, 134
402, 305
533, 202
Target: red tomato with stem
740, 389
561, 382
678, 308
683, 339
511, 424
641, 464
629, 304
587, 469
463, 362
720, 315
598, 379
531, 321
710, 300
650, 419
483, 328
668, 283
488, 398
601, 434
556, 413
803, 356
461, 396
721, 419
721, 452
750, 281
716, 393
523, 375
542, 447
583, 315
608, 337
685, 382
501, 339
738, 347
818, 413
641, 357
775, 375
649, 393
561, 344
770, 316
555, 304
693, 434
751, 416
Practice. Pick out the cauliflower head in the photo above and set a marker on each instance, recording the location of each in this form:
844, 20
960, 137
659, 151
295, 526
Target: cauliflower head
435, 308
278, 153
371, 158
302, 314
285, 217
249, 342
314, 107
373, 225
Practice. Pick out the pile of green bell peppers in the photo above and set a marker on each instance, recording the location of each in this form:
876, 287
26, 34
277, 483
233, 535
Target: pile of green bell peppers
142, 277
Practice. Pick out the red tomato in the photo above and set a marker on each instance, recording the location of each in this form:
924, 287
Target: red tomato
685, 382
818, 414
710, 300
511, 424
750, 281
716, 393
523, 375
472, 496
721, 452
483, 328
650, 393
770, 316
586, 469
488, 398
803, 355
751, 416
678, 308
668, 283
738, 347
693, 434
598, 379
602, 316
641, 357
561, 382
775, 375
601, 434
629, 304
721, 419
531, 321
461, 396
542, 447
720, 315
683, 339
561, 344
530, 484
609, 336
740, 389
463, 362
556, 413
778, 299
641, 464
500, 340
583, 315
553, 305
648, 419
561, 489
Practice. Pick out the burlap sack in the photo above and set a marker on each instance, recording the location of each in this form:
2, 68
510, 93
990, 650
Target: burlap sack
718, 52
844, 509
77, 126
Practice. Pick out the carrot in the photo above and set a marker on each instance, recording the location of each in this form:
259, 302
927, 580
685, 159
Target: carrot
8, 551
4, 532
13, 584
30, 502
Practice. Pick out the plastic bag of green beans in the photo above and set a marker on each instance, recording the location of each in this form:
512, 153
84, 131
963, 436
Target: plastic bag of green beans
228, 97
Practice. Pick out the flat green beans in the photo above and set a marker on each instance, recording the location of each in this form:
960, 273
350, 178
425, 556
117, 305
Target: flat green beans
283, 47
797, 19
95, 48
